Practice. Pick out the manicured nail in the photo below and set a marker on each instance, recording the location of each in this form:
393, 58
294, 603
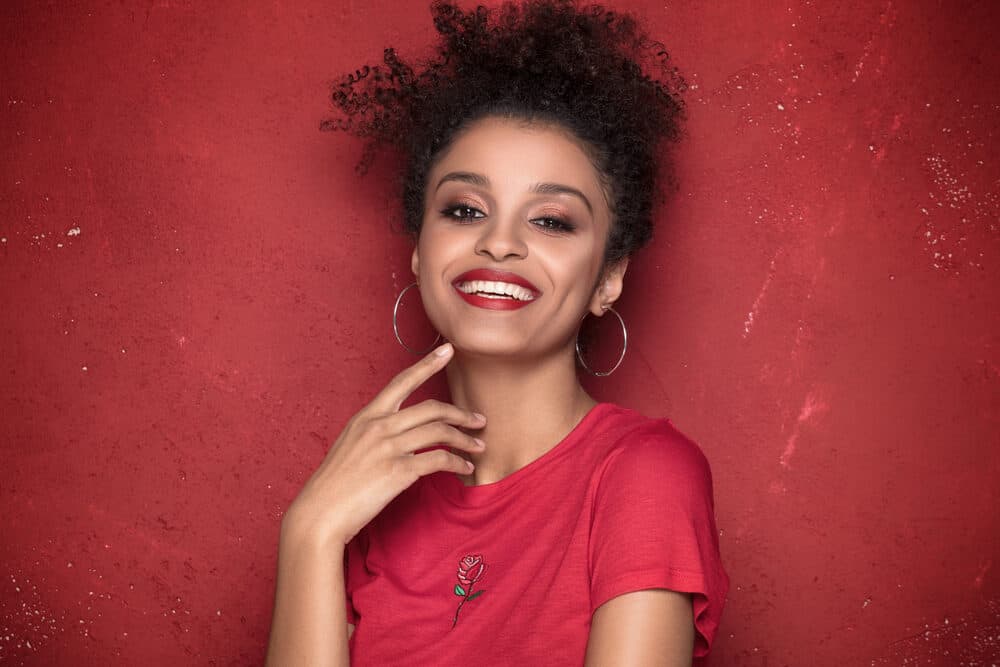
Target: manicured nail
444, 350
479, 442
468, 464
478, 417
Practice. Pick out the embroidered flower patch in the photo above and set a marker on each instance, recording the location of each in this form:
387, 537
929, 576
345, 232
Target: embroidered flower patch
470, 570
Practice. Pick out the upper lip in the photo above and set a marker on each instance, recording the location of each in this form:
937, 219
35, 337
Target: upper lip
496, 275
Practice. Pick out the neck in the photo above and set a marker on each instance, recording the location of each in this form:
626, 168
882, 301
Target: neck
529, 408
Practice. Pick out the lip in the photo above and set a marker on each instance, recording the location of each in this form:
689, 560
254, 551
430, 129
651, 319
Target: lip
495, 275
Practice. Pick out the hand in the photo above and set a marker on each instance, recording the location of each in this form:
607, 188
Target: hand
373, 459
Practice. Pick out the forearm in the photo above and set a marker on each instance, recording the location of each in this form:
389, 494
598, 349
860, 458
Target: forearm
309, 626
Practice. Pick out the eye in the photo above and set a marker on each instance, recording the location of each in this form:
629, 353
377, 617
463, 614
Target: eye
554, 225
462, 212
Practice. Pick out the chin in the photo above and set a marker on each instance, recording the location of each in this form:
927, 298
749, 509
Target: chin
491, 344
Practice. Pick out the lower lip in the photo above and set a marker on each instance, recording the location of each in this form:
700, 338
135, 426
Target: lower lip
492, 304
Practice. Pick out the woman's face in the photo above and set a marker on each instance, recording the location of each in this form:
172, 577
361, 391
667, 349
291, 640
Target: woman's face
512, 242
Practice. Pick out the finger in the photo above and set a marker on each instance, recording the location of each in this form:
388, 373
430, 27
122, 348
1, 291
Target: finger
431, 411
405, 383
435, 433
438, 460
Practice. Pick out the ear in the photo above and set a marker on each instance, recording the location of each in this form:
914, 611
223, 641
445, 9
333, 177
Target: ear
609, 288
415, 262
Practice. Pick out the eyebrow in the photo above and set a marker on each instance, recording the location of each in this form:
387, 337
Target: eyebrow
540, 188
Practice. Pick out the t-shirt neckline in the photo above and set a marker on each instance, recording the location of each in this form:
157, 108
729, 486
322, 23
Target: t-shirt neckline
453, 489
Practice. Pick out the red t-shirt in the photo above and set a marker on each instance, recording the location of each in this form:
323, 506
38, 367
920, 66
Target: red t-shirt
511, 572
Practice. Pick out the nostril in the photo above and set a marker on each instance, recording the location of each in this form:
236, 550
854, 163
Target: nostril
501, 248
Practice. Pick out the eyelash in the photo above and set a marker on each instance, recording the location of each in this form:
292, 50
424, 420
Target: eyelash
450, 211
550, 224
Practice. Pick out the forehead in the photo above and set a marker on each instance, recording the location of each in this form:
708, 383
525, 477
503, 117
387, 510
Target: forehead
515, 153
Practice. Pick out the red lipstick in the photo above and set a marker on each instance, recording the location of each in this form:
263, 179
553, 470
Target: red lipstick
497, 290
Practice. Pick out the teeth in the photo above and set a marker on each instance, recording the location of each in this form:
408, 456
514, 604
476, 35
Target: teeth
496, 290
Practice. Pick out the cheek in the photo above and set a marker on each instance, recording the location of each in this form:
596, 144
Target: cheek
427, 245
575, 269
436, 249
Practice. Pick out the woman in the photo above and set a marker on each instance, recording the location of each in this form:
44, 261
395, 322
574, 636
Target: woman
521, 522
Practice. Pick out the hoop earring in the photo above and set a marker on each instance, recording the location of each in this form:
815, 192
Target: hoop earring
395, 325
620, 356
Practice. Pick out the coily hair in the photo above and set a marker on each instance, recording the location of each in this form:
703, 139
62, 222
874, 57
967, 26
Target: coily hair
546, 61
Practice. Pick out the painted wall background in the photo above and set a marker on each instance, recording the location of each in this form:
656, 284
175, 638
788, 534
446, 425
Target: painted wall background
196, 291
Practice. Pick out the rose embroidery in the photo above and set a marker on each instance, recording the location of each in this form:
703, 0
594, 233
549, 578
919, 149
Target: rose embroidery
470, 570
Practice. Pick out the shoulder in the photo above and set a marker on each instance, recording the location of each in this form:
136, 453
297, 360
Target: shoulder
653, 449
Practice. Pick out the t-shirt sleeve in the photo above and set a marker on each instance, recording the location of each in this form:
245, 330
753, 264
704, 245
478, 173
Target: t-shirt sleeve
653, 526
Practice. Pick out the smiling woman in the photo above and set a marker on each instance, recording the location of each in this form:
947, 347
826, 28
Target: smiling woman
521, 521
525, 227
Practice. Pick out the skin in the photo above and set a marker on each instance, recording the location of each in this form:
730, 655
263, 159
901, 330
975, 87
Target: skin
511, 374
517, 367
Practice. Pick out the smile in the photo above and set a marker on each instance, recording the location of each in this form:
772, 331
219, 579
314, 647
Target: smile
495, 290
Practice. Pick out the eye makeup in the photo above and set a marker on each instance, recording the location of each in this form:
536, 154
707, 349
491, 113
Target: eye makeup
461, 212
553, 221
554, 225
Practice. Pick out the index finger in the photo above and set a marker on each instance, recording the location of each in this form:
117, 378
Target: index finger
405, 383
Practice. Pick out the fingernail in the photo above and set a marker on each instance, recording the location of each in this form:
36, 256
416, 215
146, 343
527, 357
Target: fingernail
444, 350
479, 442
478, 417
468, 464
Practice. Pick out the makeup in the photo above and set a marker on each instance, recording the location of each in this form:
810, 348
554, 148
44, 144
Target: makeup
495, 290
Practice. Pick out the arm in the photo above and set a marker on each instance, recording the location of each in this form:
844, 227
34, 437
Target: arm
647, 627
653, 533
373, 460
309, 603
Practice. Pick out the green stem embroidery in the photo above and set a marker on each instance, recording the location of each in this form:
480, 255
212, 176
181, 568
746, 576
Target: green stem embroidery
469, 596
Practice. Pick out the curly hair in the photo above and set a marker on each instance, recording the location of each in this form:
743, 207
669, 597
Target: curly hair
547, 61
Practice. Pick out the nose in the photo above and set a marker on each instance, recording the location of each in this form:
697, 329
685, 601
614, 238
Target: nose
501, 239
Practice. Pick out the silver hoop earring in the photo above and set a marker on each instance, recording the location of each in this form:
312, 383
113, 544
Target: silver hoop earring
395, 325
620, 356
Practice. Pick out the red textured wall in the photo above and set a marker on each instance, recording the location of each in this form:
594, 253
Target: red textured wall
196, 289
